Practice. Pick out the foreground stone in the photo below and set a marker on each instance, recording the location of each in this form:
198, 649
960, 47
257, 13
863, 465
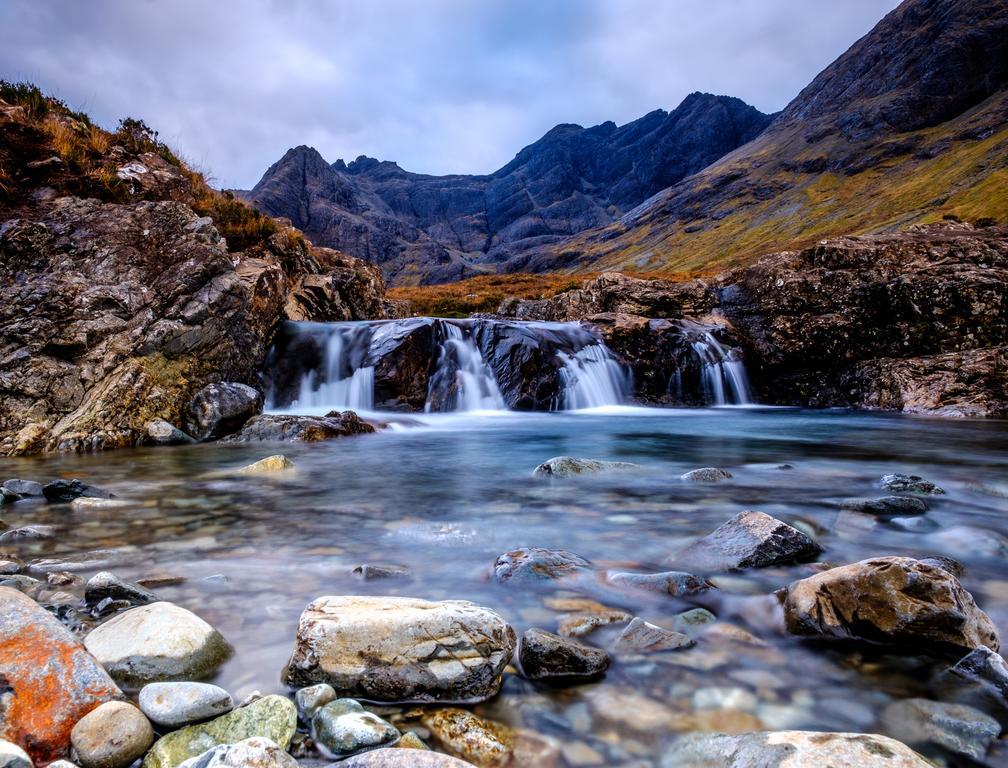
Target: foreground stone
111, 736
533, 564
220, 409
160, 641
791, 749
483, 742
302, 429
955, 728
311, 699
569, 466
401, 649
172, 705
403, 758
895, 600
343, 727
749, 540
254, 752
545, 656
980, 677
271, 717
50, 681
12, 756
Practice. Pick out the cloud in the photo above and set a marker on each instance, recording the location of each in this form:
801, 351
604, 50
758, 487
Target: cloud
440, 86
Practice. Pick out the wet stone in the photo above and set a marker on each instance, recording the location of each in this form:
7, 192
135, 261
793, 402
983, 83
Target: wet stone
254, 752
688, 622
173, 705
275, 463
749, 540
584, 623
535, 564
161, 432
28, 533
980, 678
674, 583
312, 698
545, 656
107, 586
12, 756
220, 409
24, 488
111, 736
371, 571
955, 728
343, 727
888, 506
65, 491
643, 637
570, 466
898, 483
706, 475
478, 740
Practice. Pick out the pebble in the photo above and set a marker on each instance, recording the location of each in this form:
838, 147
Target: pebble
12, 756
343, 727
643, 637
112, 735
312, 698
254, 752
105, 585
176, 704
545, 656
706, 475
480, 741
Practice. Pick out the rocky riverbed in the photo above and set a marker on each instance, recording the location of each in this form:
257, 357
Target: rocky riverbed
694, 587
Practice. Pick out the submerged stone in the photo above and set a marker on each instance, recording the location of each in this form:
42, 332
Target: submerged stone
706, 475
343, 727
910, 484
105, 585
749, 540
65, 491
570, 466
674, 583
403, 758
535, 564
276, 463
161, 432
956, 728
25, 489
545, 656
481, 741
643, 637
888, 506
980, 678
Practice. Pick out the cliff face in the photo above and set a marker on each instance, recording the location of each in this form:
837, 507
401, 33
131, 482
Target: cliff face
119, 306
439, 228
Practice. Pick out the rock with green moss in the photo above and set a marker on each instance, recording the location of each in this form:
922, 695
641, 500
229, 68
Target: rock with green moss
271, 717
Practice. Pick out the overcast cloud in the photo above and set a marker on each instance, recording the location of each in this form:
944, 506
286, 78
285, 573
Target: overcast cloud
440, 86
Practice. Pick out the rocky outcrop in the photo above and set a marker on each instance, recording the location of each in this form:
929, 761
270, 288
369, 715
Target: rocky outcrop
439, 228
892, 600
401, 649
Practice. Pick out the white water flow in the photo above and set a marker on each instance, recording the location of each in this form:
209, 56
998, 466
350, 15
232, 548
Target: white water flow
723, 373
341, 385
592, 377
462, 370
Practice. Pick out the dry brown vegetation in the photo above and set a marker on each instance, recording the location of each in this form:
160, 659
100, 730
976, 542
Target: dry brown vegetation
483, 293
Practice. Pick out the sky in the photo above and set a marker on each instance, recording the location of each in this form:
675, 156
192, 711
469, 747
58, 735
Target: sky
439, 86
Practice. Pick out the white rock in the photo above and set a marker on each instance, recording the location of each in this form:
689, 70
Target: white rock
12, 756
172, 705
256, 752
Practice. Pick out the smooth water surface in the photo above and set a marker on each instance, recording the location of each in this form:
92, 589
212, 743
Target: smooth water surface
447, 495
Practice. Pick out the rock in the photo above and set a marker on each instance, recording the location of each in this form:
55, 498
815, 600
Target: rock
23, 488
221, 409
275, 463
482, 742
706, 475
254, 752
692, 620
949, 564
584, 622
569, 466
28, 533
410, 740
674, 583
888, 506
11, 565
790, 749
311, 699
894, 600
173, 705
12, 756
748, 540
415, 650
160, 641
545, 656
161, 432
372, 571
956, 728
643, 637
271, 717
105, 585
50, 681
910, 484
64, 491
304, 429
111, 736
403, 758
980, 677
343, 727
62, 764
534, 564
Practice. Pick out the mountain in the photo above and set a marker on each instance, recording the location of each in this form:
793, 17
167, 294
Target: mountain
439, 228
909, 126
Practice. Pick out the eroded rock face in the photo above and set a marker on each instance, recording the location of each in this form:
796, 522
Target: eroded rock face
893, 600
749, 540
401, 649
791, 749
52, 680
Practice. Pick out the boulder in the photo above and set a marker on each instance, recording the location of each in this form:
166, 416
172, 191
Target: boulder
569, 466
221, 409
640, 636
113, 735
160, 641
302, 429
161, 432
706, 475
535, 564
954, 728
403, 758
791, 749
12, 756
105, 585
175, 704
401, 649
891, 600
50, 680
749, 540
343, 727
545, 656
254, 752
271, 717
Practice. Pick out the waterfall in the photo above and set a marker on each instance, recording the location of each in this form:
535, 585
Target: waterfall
342, 382
723, 374
462, 380
592, 377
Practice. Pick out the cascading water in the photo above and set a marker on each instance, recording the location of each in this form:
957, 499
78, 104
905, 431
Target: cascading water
341, 381
592, 377
723, 374
462, 381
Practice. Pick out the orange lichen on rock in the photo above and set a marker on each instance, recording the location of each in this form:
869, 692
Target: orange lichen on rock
49, 681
